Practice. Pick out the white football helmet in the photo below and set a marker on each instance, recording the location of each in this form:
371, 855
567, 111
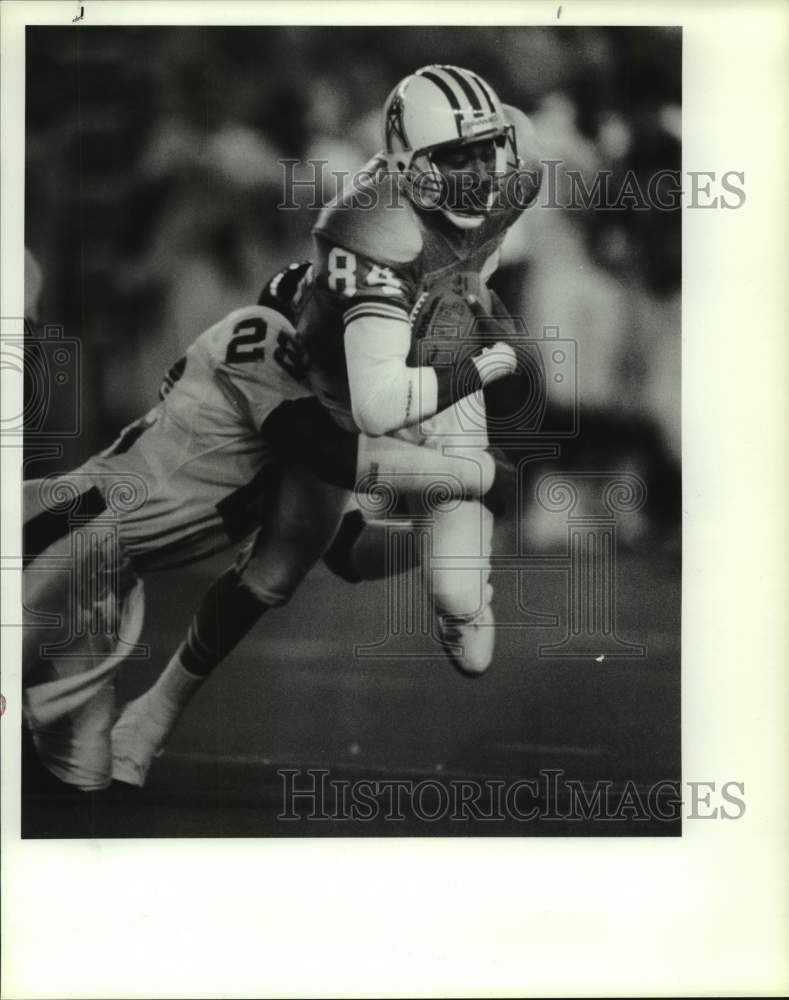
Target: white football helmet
443, 106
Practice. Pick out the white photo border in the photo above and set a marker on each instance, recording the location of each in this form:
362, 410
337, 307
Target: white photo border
705, 913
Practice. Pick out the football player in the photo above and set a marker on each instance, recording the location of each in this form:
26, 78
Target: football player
431, 209
458, 168
213, 462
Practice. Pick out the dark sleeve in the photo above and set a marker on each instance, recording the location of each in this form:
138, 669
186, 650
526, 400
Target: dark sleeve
301, 430
283, 291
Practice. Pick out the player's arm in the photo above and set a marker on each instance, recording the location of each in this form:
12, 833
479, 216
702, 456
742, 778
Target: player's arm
284, 291
262, 370
303, 432
386, 393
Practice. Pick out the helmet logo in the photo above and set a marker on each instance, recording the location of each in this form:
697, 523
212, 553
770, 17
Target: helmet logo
395, 129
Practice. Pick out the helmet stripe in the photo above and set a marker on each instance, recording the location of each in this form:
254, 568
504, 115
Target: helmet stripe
465, 86
449, 93
485, 91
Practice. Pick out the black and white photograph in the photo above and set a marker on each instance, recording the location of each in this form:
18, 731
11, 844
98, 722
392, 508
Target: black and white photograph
355, 404
352, 442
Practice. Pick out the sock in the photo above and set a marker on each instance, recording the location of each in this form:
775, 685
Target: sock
227, 612
225, 615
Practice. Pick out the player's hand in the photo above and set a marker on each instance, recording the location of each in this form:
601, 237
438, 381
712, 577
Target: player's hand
495, 362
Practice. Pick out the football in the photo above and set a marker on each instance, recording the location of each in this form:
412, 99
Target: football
453, 315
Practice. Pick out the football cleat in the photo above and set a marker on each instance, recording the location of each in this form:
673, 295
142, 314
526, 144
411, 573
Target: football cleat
468, 640
137, 740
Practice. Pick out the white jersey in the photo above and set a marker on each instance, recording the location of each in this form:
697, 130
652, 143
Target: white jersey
189, 477
186, 480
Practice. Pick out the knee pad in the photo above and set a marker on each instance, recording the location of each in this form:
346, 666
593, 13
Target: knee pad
271, 574
272, 585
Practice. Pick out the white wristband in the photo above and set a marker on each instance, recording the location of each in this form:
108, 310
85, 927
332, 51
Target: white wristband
495, 362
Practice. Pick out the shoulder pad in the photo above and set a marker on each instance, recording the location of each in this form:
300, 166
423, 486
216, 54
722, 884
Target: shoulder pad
373, 218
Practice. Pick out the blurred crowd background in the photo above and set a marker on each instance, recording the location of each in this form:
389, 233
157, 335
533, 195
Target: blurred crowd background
153, 179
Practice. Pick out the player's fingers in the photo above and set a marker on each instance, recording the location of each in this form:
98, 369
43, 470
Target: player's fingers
492, 325
474, 304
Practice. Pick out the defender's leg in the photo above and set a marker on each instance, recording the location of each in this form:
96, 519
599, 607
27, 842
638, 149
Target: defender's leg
297, 528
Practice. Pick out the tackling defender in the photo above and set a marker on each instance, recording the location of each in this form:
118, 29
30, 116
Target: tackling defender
209, 465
